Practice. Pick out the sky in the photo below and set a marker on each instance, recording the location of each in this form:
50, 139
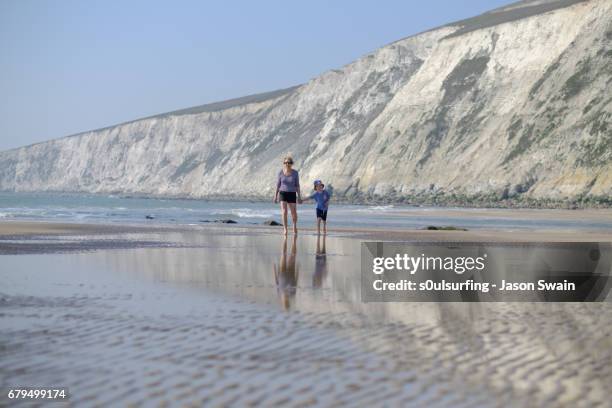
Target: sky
72, 66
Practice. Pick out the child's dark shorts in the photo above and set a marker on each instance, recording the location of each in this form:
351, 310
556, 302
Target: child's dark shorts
322, 214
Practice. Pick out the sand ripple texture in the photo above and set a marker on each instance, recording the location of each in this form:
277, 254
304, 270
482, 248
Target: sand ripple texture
218, 352
222, 353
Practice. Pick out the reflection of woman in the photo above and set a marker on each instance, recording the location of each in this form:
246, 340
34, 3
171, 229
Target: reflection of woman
320, 264
288, 190
286, 274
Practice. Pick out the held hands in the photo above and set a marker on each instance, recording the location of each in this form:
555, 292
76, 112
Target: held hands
300, 200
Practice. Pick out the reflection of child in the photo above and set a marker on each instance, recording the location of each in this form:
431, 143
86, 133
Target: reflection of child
320, 264
321, 196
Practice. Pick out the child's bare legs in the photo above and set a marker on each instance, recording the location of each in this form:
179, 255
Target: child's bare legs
284, 215
318, 225
294, 216
325, 227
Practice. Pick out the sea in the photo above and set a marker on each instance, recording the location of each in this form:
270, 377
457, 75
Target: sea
96, 208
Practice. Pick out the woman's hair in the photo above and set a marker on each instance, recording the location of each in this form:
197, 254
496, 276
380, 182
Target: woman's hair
288, 158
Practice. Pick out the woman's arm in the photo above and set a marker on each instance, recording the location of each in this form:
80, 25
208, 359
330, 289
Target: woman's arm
278, 184
297, 187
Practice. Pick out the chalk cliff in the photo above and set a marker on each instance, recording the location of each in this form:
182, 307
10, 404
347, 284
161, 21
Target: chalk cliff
511, 104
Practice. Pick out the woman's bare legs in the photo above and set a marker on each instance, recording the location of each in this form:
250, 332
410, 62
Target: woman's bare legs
294, 218
284, 215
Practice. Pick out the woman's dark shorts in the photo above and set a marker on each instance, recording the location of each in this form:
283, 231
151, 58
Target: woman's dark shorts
287, 196
322, 214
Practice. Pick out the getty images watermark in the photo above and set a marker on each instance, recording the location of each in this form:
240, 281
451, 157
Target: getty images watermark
485, 272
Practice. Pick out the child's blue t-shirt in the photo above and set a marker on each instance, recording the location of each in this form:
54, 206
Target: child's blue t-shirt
322, 199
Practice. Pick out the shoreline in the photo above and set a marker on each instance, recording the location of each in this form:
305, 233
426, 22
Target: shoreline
433, 200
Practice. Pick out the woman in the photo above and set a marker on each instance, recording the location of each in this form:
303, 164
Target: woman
288, 189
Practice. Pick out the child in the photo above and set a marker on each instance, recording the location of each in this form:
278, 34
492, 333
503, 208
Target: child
321, 196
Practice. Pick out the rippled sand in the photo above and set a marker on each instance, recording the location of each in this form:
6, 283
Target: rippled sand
242, 317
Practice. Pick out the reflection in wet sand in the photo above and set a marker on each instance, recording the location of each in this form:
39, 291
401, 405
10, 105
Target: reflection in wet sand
286, 274
339, 349
320, 263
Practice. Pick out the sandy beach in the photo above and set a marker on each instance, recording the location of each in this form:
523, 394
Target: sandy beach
235, 315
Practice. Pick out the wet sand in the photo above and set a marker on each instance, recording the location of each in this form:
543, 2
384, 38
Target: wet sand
517, 213
238, 316
29, 229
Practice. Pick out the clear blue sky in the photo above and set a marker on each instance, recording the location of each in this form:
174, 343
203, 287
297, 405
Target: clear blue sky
71, 66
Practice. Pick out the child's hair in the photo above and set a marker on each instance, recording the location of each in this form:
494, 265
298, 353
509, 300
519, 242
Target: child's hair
288, 158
